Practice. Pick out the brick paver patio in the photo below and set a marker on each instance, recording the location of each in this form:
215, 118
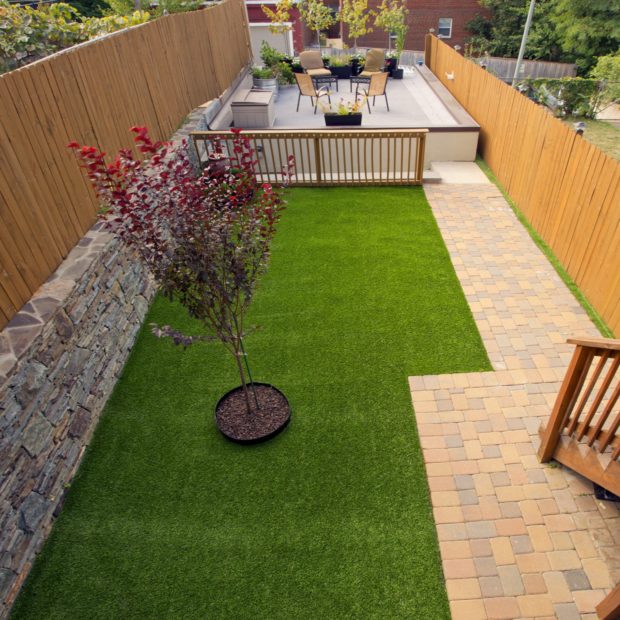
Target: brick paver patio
518, 539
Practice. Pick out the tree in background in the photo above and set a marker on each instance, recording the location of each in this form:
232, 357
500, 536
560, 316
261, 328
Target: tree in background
28, 34
317, 16
392, 19
588, 30
355, 14
90, 8
163, 7
607, 70
562, 30
280, 18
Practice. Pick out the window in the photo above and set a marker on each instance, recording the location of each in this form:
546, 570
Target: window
444, 30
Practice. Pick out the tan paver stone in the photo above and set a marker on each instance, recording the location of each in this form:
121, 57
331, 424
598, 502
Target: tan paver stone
459, 569
510, 577
534, 583
587, 600
535, 605
541, 541
481, 548
445, 498
454, 550
533, 562
438, 469
564, 560
583, 545
510, 527
557, 587
598, 573
502, 551
510, 494
560, 523
448, 514
561, 541
451, 531
531, 512
468, 610
460, 589
502, 608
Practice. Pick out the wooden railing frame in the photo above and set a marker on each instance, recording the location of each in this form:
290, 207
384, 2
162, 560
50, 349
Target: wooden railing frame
567, 427
319, 168
609, 607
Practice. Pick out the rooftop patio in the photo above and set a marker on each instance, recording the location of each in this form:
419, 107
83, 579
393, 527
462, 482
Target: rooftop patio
417, 101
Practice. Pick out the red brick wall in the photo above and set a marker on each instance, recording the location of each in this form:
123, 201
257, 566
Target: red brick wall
425, 14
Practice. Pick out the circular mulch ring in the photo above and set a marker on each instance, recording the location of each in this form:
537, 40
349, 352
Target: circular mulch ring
236, 424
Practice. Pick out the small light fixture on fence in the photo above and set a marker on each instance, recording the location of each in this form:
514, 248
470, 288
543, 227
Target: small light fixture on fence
457, 48
579, 128
431, 30
449, 76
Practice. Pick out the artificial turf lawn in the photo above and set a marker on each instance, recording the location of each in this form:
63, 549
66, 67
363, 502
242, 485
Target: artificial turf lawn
331, 519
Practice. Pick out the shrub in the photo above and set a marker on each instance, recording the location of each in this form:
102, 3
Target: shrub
565, 96
28, 34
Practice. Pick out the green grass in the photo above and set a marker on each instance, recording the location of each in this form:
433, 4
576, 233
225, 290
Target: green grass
551, 257
329, 520
600, 133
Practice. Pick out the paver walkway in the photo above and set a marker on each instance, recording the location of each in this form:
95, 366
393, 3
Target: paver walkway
518, 539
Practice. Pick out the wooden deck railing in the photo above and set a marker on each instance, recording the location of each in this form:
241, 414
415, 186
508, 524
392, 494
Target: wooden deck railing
583, 430
330, 157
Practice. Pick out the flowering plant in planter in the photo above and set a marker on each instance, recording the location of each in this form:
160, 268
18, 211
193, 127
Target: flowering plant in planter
204, 238
343, 107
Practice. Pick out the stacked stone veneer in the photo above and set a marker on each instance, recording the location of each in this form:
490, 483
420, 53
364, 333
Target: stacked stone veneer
60, 357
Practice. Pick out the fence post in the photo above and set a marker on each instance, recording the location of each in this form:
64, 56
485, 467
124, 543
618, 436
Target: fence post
573, 379
419, 165
428, 49
317, 157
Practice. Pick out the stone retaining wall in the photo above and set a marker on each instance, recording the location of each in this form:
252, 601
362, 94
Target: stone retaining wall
60, 357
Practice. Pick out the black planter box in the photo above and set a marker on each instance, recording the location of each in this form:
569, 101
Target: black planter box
356, 68
333, 120
342, 73
390, 65
397, 74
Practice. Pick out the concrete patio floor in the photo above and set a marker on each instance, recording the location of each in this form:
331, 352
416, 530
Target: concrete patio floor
413, 104
518, 539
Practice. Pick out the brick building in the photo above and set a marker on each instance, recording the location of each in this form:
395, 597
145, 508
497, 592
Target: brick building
448, 18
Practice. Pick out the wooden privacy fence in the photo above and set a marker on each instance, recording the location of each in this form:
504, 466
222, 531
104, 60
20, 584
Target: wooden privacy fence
583, 431
329, 157
152, 75
568, 189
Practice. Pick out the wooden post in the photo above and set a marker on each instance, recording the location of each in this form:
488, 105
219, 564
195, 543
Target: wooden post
428, 50
419, 165
317, 158
609, 607
572, 379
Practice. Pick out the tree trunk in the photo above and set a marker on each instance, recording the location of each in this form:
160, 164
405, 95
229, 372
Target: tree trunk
244, 384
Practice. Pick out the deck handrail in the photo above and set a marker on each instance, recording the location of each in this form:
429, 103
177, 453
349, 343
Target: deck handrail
330, 156
585, 415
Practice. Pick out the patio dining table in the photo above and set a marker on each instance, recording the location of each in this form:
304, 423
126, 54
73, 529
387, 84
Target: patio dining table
325, 80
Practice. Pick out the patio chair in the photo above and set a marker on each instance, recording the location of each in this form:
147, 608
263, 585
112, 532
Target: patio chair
307, 89
374, 62
312, 63
376, 87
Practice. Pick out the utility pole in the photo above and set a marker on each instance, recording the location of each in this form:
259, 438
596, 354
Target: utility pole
526, 31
